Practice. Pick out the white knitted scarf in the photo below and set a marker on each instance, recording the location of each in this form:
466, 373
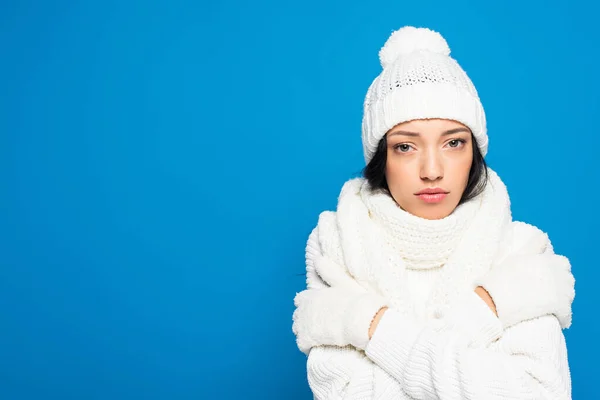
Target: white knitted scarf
380, 241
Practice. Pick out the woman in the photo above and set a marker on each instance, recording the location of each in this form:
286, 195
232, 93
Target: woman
420, 285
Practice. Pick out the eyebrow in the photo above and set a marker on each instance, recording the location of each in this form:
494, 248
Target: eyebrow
415, 134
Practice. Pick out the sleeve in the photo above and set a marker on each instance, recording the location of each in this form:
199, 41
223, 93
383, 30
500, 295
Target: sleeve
341, 373
526, 361
346, 373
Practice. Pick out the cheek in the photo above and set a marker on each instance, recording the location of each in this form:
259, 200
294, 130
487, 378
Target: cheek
393, 169
461, 167
468, 160
398, 173
465, 163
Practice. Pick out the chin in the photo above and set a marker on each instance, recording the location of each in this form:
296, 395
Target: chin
434, 217
432, 214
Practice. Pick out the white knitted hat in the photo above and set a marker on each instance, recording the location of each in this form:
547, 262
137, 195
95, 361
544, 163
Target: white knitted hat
419, 80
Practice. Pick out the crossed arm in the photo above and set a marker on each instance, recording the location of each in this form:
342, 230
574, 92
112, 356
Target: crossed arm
472, 356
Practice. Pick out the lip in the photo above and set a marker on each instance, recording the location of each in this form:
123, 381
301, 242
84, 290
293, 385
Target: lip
432, 195
432, 191
432, 198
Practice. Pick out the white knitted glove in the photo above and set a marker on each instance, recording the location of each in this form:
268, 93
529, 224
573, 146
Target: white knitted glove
531, 281
334, 316
338, 315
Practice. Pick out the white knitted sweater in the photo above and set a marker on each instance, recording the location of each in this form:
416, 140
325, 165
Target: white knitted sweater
439, 340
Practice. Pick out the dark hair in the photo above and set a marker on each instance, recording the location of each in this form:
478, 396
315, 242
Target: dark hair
374, 172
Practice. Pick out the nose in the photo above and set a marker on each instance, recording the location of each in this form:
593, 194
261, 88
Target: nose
431, 167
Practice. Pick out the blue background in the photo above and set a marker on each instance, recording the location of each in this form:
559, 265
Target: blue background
162, 163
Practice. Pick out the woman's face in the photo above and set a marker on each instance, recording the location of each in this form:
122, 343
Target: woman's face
434, 154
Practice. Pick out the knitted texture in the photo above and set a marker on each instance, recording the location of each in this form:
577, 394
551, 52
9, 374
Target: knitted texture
419, 81
337, 315
530, 266
528, 362
422, 243
446, 344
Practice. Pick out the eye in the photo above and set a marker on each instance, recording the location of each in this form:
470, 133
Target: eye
402, 147
456, 143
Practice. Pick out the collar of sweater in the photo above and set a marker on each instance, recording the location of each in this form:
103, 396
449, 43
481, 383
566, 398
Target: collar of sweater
422, 243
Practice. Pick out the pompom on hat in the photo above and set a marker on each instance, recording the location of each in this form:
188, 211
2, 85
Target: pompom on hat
419, 81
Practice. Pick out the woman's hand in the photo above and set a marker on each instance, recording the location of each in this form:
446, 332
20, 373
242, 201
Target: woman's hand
337, 316
529, 280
